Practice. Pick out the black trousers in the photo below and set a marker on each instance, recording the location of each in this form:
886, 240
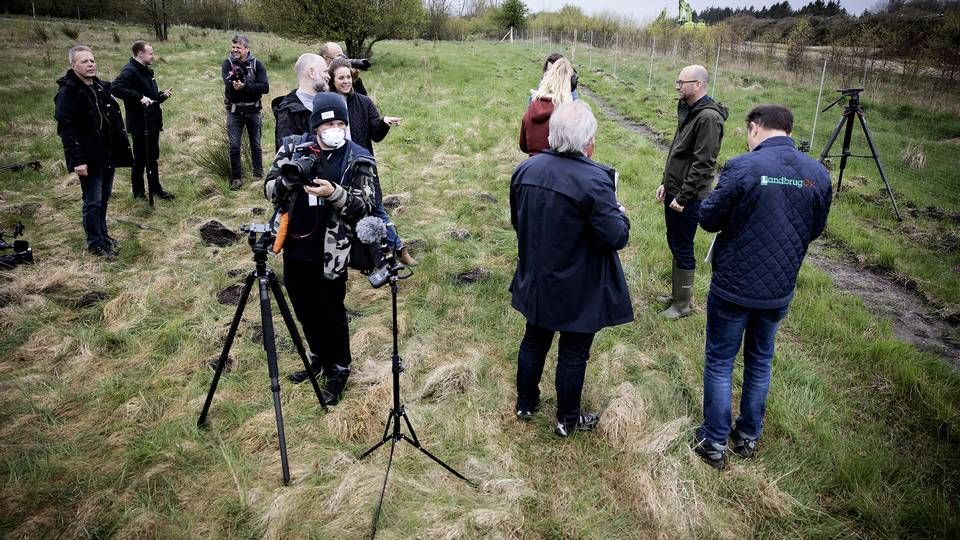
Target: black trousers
145, 146
318, 305
572, 356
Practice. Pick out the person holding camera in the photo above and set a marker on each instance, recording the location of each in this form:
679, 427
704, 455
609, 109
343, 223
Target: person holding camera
768, 206
244, 82
137, 87
90, 126
324, 184
569, 225
687, 179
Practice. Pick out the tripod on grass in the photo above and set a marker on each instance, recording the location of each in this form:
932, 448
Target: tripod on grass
392, 429
854, 109
267, 281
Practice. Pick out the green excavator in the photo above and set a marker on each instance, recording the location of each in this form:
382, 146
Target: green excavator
685, 18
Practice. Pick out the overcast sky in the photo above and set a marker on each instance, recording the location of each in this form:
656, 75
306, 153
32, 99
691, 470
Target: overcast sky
645, 10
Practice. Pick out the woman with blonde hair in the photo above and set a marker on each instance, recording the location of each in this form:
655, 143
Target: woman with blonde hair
556, 87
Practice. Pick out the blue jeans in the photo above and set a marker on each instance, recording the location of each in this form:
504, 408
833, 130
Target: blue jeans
573, 353
393, 239
96, 187
727, 325
253, 122
681, 229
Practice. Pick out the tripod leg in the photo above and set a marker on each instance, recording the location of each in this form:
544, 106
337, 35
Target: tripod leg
295, 336
416, 444
876, 157
832, 139
270, 346
244, 294
383, 490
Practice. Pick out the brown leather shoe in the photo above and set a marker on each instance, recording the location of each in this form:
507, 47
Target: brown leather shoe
405, 258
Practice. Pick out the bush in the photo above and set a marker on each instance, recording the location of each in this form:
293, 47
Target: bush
71, 32
116, 36
40, 33
215, 157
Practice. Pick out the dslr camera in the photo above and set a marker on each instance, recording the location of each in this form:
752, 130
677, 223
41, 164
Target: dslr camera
22, 254
294, 171
237, 73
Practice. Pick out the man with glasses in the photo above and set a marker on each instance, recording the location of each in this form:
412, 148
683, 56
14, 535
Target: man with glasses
687, 178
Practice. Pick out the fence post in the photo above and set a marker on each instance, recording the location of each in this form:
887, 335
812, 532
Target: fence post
716, 71
590, 52
616, 54
650, 75
816, 112
573, 51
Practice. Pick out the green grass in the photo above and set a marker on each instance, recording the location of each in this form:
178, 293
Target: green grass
98, 405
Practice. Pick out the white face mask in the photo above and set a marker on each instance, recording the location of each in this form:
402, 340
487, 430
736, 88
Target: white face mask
334, 137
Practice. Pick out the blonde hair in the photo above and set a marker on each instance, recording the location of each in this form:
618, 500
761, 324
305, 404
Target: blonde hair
555, 84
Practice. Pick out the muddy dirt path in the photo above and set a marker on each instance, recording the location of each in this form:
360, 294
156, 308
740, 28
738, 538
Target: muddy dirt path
912, 319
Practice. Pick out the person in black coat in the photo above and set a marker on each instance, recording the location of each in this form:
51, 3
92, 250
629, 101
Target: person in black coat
367, 127
137, 87
569, 227
90, 127
292, 111
244, 83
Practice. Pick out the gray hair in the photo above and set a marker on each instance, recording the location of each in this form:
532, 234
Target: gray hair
572, 127
72, 53
325, 48
242, 40
307, 60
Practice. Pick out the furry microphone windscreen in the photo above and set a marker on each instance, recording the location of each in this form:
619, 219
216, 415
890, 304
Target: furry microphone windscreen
371, 229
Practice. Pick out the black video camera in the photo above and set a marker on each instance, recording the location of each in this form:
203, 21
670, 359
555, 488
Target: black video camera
237, 73
22, 254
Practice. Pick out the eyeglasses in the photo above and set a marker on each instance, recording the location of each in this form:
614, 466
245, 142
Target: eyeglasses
681, 83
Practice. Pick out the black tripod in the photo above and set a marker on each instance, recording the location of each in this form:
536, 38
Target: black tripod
391, 431
268, 281
852, 109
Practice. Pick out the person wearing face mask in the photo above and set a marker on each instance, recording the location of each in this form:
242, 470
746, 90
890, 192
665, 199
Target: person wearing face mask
320, 230
292, 111
367, 127
569, 225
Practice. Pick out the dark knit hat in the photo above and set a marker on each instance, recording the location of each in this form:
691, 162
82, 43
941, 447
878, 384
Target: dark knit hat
328, 106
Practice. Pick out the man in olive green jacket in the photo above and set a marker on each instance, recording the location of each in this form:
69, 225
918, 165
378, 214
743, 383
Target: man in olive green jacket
687, 179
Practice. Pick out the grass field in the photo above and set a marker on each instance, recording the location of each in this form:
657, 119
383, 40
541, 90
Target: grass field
99, 393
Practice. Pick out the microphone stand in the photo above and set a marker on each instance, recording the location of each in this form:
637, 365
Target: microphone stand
397, 411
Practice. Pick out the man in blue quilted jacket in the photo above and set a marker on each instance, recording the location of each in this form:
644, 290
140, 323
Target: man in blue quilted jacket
767, 207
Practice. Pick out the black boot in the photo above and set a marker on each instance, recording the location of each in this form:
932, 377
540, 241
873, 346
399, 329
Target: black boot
298, 377
336, 382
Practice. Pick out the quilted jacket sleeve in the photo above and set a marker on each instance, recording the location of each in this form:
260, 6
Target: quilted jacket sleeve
716, 210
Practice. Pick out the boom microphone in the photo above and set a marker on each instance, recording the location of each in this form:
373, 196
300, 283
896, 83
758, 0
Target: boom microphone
371, 230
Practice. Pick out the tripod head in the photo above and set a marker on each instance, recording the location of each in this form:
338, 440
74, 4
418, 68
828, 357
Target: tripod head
260, 236
852, 93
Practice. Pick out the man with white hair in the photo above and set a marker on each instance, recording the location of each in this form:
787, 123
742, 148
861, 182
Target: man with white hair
569, 226
687, 180
292, 111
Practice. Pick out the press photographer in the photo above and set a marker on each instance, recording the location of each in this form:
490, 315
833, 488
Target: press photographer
244, 83
322, 185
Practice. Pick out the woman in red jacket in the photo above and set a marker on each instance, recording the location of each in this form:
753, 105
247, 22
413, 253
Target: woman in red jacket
555, 88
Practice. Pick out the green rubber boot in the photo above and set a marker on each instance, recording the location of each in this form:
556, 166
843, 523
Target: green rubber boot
682, 295
664, 299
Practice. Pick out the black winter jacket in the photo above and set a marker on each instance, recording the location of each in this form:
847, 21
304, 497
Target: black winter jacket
366, 124
133, 83
569, 228
292, 117
688, 174
90, 125
255, 79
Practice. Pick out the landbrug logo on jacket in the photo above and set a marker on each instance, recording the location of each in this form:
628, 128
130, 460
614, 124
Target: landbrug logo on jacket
784, 181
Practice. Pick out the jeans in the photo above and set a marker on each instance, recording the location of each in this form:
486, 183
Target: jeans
681, 228
318, 305
96, 186
573, 353
393, 239
253, 122
727, 325
144, 147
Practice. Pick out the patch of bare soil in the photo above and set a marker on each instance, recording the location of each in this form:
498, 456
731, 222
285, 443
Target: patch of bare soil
913, 320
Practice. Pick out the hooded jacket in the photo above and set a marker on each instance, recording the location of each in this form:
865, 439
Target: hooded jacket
133, 83
692, 158
291, 116
535, 126
255, 80
90, 125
